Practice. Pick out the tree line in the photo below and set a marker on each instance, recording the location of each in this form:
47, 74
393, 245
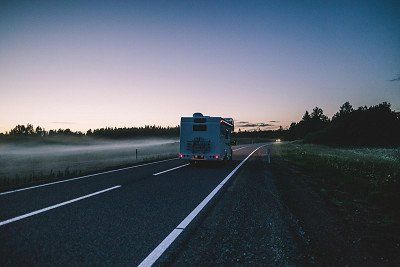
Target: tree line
125, 132
376, 125
107, 132
30, 130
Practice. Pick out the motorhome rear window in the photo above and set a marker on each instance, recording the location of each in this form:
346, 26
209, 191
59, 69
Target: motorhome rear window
200, 120
199, 127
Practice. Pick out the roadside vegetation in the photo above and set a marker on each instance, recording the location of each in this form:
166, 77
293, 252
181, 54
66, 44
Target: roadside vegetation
362, 184
365, 175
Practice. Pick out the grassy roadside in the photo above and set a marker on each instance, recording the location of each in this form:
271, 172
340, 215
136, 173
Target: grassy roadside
362, 184
363, 175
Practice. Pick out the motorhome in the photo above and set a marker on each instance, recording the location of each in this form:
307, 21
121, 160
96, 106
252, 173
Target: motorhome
205, 138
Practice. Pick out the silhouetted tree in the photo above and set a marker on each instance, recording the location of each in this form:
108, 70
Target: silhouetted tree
374, 126
309, 123
306, 117
318, 115
22, 130
344, 110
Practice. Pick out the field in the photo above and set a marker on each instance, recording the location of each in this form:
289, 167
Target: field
368, 174
32, 159
362, 180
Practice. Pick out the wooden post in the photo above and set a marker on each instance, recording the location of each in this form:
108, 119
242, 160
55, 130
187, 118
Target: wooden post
136, 153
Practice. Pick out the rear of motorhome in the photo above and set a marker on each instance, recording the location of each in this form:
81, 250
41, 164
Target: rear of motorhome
205, 138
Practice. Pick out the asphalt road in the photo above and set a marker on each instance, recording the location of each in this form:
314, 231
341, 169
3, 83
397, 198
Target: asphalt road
114, 218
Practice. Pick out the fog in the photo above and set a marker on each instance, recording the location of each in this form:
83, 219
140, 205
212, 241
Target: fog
66, 145
37, 159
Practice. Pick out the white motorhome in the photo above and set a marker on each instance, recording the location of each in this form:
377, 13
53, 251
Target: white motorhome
205, 138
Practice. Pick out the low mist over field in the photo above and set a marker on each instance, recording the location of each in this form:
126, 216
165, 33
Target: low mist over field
71, 144
33, 159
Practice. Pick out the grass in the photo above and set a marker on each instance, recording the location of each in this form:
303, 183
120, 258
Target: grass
30, 160
351, 178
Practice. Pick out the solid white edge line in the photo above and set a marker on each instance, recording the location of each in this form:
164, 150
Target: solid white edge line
55, 206
181, 166
159, 250
85, 176
163, 246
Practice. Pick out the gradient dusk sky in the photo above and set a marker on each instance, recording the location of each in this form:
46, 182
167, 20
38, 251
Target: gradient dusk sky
91, 64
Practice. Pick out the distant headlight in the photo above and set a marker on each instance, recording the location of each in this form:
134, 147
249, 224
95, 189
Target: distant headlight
277, 140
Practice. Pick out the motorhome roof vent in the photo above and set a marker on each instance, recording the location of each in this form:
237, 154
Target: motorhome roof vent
197, 114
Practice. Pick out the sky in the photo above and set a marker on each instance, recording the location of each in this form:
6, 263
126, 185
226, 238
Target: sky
91, 64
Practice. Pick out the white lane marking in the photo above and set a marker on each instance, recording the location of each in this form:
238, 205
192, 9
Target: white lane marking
153, 256
239, 148
85, 176
55, 206
181, 166
162, 247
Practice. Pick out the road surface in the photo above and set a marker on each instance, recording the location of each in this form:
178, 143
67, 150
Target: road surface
117, 217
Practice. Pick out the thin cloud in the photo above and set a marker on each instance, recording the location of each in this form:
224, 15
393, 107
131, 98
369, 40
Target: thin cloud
274, 121
246, 124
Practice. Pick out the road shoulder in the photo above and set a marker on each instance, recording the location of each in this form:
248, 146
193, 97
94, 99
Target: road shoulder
248, 224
